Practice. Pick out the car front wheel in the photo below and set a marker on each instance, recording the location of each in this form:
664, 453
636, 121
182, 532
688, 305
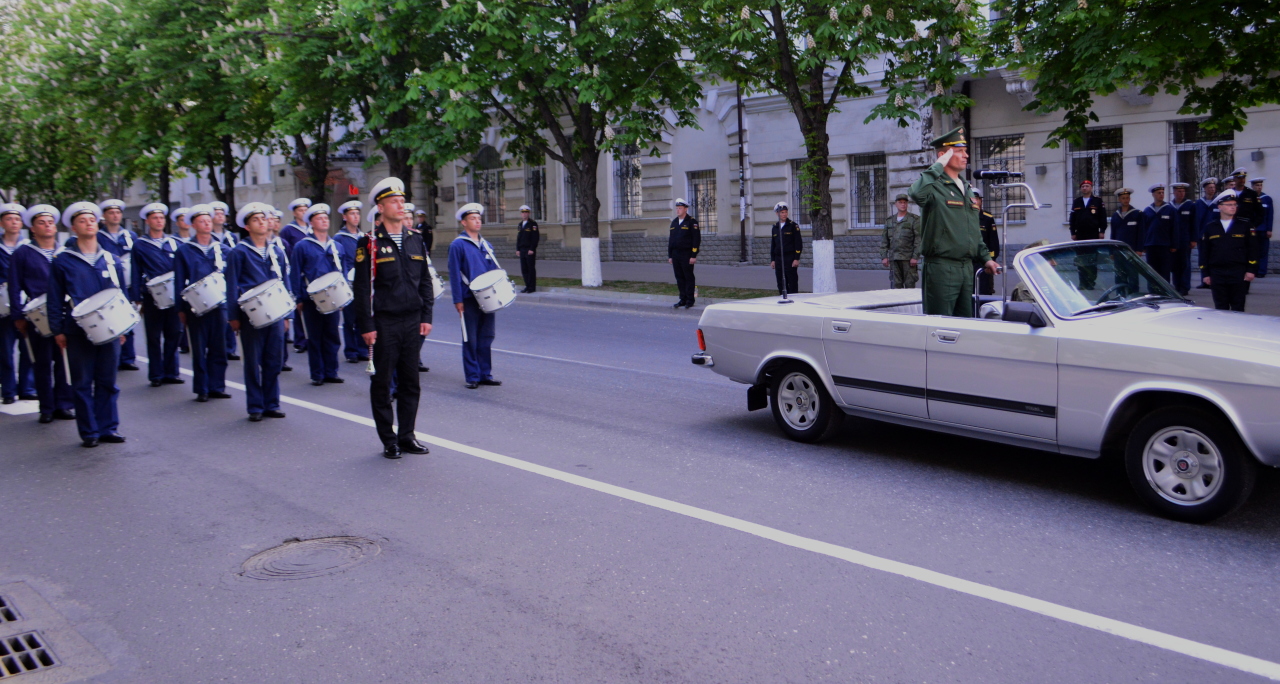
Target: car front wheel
1189, 464
801, 406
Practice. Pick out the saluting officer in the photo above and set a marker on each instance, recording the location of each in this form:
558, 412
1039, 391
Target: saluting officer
469, 257
951, 243
393, 303
16, 381
1184, 223
682, 252
900, 245
30, 270
153, 256
251, 263
990, 238
527, 238
118, 240
196, 259
315, 256
347, 239
79, 272
1229, 255
785, 246
1264, 228
1160, 241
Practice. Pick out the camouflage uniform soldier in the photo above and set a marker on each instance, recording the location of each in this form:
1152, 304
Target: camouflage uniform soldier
900, 245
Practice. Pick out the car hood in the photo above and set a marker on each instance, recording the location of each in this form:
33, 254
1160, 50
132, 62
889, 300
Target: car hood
1219, 328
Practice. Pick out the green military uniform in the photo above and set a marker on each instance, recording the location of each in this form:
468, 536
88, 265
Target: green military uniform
951, 242
900, 244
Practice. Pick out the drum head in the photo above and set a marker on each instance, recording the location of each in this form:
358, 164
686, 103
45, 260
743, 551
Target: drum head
94, 303
37, 303
270, 284
160, 279
487, 279
214, 279
324, 282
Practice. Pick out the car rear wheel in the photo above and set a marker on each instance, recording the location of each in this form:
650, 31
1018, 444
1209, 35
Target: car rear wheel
801, 406
1189, 464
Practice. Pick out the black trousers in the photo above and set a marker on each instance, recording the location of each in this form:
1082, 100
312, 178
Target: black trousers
792, 276
1229, 289
398, 348
684, 274
529, 270
1161, 260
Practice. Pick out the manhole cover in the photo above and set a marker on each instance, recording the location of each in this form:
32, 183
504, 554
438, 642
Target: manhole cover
24, 653
309, 558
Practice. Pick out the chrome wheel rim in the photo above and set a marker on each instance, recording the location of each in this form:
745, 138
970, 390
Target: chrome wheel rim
1182, 465
798, 401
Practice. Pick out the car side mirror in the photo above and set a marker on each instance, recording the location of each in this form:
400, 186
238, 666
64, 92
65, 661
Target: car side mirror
1023, 312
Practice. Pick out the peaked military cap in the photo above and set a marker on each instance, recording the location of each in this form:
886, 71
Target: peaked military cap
952, 138
681, 203
1175, 186
1239, 173
387, 187
1226, 196
1208, 180
901, 196
780, 206
1124, 191
525, 207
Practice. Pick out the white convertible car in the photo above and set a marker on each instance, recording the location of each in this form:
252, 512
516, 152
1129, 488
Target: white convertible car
1187, 396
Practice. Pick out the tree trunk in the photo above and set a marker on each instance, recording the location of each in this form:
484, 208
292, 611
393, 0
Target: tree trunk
430, 175
228, 175
163, 190
315, 161
589, 219
817, 151
399, 167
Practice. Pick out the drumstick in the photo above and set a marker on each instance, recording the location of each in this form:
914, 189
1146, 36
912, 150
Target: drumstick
303, 317
370, 369
30, 351
187, 329
66, 365
463, 320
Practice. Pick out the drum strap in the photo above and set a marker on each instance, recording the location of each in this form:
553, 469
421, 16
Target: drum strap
217, 256
275, 262
111, 268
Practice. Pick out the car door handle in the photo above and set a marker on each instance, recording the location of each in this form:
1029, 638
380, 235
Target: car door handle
947, 336
840, 326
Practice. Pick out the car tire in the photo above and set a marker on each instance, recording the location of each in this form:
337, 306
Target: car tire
801, 406
1189, 464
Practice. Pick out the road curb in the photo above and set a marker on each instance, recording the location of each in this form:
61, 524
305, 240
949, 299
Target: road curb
615, 303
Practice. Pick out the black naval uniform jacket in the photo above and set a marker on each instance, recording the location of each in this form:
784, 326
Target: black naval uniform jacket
684, 239
792, 243
428, 235
990, 236
402, 286
1226, 255
1251, 208
1088, 219
527, 236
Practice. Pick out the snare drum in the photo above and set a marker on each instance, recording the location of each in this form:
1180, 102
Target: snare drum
330, 292
105, 316
437, 283
4, 299
267, 303
37, 312
206, 294
493, 290
161, 289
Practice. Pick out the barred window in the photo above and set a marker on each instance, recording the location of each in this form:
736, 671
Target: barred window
626, 182
1196, 154
870, 192
1003, 152
488, 187
535, 191
571, 205
1099, 159
702, 195
801, 195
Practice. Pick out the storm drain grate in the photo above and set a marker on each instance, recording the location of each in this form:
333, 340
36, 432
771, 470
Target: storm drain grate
24, 653
7, 612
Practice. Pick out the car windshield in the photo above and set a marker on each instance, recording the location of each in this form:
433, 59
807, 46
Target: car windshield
1095, 277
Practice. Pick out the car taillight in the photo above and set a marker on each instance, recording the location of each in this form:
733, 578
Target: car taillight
702, 341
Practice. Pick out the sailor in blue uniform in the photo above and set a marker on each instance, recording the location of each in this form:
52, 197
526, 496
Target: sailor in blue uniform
181, 229
1160, 241
469, 256
1264, 228
291, 234
315, 256
16, 380
115, 238
228, 238
1206, 211
30, 269
1128, 223
347, 239
79, 272
253, 262
196, 259
153, 255
1184, 222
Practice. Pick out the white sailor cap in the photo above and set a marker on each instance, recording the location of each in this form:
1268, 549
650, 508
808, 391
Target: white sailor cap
219, 205
681, 203
300, 202
40, 209
1155, 186
111, 204
420, 212
180, 211
1226, 195
200, 210
1239, 173
348, 206
387, 187
471, 208
249, 210
373, 214
78, 208
1210, 179
780, 206
976, 192
321, 208
1257, 181
1175, 186
153, 208
275, 212
410, 206
525, 207
12, 208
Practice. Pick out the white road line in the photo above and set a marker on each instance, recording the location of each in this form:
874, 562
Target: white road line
1143, 635
589, 363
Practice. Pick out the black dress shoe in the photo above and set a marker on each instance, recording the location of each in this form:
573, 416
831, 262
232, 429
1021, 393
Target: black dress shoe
364, 358
391, 451
156, 383
317, 383
233, 357
64, 414
422, 368
172, 381
89, 443
9, 400
127, 367
202, 398
334, 381
272, 413
412, 446
286, 368
472, 385
355, 360
112, 439
28, 397
677, 305
46, 417
219, 395
525, 291
255, 417
491, 382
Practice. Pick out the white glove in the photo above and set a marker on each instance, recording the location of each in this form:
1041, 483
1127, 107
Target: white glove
946, 157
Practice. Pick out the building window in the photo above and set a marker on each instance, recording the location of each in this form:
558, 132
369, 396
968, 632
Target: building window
702, 197
801, 195
1101, 160
870, 199
1197, 154
488, 187
535, 191
626, 182
1007, 153
572, 206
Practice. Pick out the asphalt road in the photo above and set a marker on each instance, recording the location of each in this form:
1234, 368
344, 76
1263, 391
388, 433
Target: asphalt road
510, 558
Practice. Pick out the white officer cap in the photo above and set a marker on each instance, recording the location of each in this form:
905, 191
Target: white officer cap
410, 207
111, 204
1210, 179
780, 206
12, 208
1239, 173
39, 210
525, 207
1257, 181
220, 205
249, 210
347, 206
1124, 191
681, 203
1155, 186
180, 211
420, 212
1226, 195
976, 192
300, 202
153, 208
321, 208
372, 215
387, 187
200, 210
1175, 186
78, 208
471, 208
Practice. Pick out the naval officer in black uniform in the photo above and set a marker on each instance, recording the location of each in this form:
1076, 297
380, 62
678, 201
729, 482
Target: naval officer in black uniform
682, 252
1229, 255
